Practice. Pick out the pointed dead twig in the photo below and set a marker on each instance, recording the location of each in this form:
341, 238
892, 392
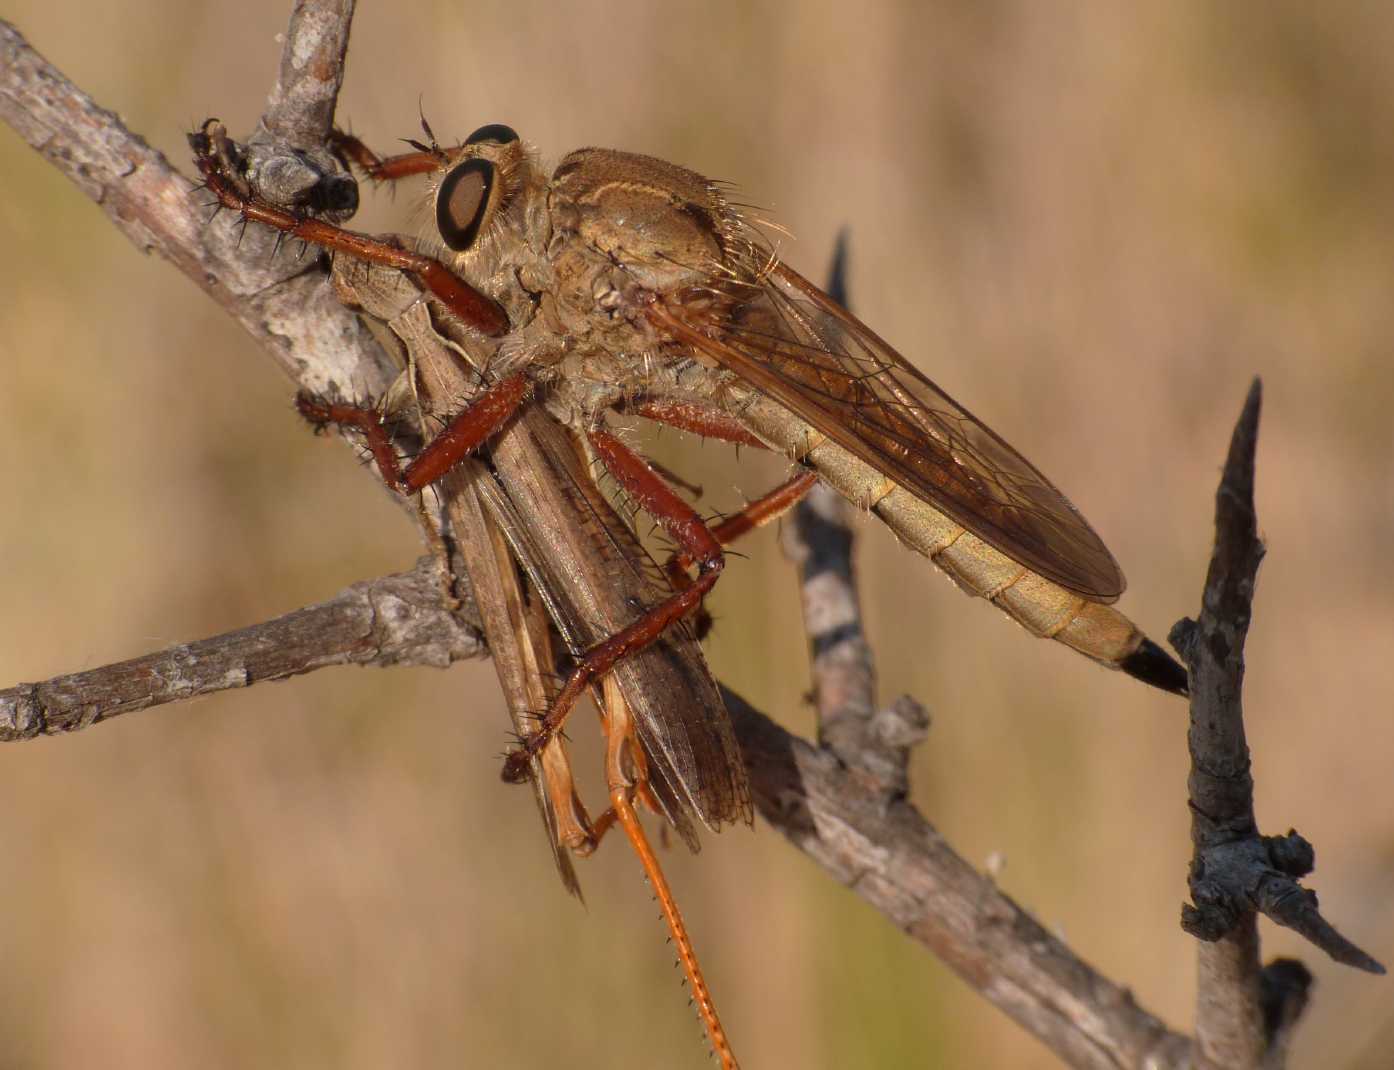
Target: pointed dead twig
1243, 1013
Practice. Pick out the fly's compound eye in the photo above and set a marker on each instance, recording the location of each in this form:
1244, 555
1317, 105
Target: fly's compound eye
463, 202
504, 135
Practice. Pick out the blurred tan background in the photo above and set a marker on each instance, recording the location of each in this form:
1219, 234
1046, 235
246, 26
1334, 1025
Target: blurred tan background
1092, 225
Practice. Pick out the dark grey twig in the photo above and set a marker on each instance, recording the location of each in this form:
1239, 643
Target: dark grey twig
1235, 872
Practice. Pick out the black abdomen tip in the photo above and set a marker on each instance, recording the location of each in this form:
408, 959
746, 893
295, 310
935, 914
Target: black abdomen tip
1153, 665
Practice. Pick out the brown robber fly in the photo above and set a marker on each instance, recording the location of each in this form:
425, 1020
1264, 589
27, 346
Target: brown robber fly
622, 282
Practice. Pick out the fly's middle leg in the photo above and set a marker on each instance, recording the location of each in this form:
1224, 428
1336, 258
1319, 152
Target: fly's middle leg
462, 435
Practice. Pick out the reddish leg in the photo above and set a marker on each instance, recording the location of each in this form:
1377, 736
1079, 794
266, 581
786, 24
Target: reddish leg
687, 529
385, 168
756, 514
714, 423
484, 416
473, 307
697, 419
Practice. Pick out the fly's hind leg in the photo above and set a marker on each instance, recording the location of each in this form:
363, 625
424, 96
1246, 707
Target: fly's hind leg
710, 422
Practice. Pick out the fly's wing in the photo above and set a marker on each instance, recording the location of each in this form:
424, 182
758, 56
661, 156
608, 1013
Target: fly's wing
596, 578
787, 338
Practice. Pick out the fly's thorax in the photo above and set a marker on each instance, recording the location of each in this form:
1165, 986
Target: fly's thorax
663, 225
627, 231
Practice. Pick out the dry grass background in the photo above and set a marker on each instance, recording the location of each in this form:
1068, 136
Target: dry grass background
1093, 224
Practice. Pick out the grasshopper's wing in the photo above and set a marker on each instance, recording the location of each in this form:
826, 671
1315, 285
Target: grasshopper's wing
596, 577
787, 338
518, 639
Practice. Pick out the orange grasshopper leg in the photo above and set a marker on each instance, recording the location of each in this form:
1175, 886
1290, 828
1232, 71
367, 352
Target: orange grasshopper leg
625, 777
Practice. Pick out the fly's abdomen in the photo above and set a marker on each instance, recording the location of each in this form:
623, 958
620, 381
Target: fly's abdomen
1042, 607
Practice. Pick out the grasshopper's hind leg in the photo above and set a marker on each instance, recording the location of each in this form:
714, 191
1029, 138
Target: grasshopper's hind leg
625, 777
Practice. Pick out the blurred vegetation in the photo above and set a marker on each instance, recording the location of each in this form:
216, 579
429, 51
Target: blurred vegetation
1092, 224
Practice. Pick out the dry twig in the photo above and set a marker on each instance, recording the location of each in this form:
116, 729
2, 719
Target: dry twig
1243, 1013
394, 620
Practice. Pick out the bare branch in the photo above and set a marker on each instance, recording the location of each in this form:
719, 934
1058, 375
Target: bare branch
874, 742
281, 300
891, 857
819, 541
288, 151
883, 850
395, 620
1235, 872
300, 111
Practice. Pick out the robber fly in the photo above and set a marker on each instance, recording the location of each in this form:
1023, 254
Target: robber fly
622, 282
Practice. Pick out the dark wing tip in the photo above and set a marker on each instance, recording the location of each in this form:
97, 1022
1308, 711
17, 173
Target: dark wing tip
1153, 665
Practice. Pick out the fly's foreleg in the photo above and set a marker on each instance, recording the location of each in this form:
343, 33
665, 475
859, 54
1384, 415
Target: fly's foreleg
215, 160
685, 527
351, 150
